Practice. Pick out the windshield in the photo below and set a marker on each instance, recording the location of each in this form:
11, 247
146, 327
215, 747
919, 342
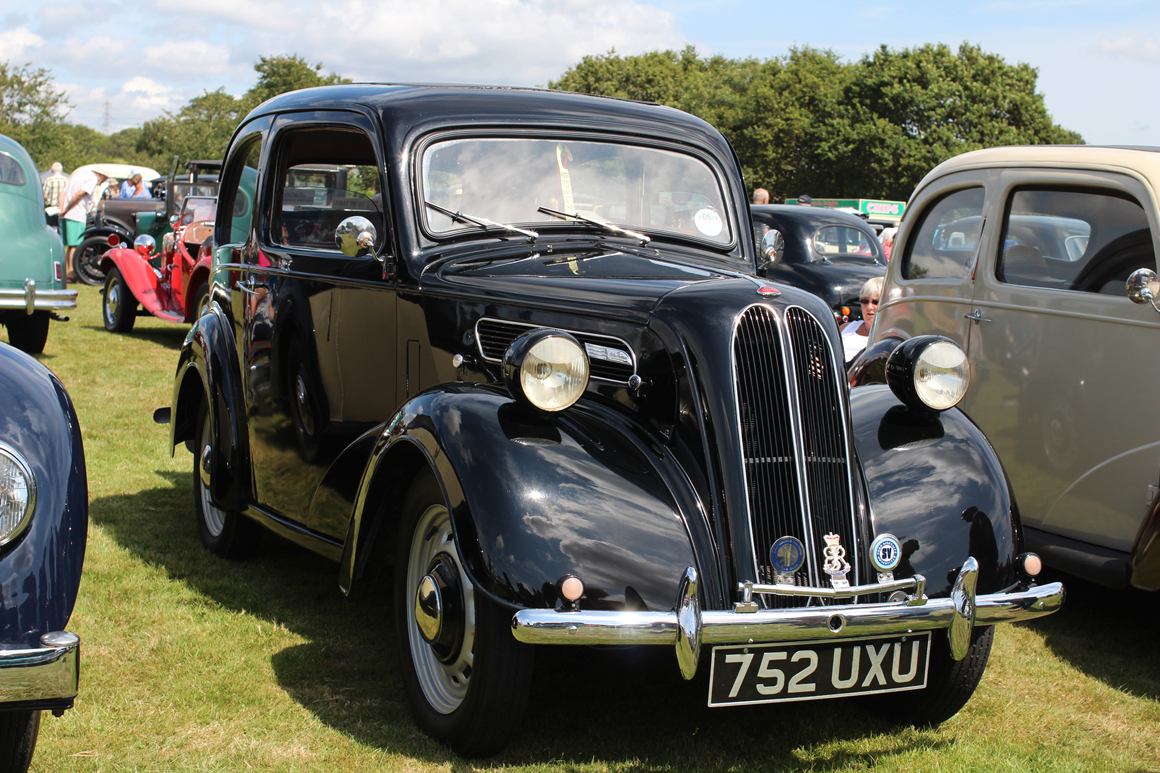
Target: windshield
835, 242
508, 180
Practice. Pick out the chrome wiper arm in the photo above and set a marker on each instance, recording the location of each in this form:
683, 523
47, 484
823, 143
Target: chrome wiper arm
482, 222
644, 240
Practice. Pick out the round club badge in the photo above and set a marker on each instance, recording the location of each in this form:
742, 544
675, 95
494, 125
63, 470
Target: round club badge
885, 552
787, 555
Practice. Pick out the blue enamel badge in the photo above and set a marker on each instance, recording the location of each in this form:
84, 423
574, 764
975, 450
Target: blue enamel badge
885, 552
787, 555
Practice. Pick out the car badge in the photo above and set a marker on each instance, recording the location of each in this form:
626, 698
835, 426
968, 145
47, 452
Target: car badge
836, 564
768, 292
885, 553
787, 556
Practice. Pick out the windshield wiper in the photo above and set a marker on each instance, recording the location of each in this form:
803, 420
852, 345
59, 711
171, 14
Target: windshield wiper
644, 240
482, 222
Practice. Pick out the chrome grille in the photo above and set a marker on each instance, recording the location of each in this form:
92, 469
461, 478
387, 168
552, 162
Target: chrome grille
494, 336
793, 435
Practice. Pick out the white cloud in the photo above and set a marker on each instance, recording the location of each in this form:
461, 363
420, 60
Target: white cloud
1129, 47
185, 56
16, 44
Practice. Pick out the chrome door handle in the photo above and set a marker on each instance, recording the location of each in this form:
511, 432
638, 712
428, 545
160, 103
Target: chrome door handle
247, 286
976, 316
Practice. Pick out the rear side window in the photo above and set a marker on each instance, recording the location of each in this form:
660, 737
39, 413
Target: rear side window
1076, 240
10, 171
946, 238
839, 240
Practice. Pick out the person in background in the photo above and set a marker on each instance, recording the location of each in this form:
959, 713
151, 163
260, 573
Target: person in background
887, 237
761, 196
53, 185
76, 201
855, 335
126, 188
138, 189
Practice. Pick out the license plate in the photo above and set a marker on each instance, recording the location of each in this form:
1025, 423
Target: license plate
804, 671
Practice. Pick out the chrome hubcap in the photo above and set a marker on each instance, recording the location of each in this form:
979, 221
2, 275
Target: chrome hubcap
213, 516
439, 608
113, 300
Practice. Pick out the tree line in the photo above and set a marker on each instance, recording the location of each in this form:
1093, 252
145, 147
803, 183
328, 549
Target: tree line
803, 123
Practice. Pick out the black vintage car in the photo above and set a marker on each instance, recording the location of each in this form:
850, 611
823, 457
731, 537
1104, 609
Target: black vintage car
524, 359
121, 221
44, 512
829, 253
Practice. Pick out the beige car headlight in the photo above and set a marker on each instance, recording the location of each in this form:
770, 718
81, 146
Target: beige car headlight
547, 369
17, 494
929, 373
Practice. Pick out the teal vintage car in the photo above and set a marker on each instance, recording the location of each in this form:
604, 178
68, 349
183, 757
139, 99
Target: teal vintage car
32, 278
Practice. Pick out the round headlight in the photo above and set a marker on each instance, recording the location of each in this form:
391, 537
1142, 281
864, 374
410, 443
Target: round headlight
929, 373
547, 369
17, 494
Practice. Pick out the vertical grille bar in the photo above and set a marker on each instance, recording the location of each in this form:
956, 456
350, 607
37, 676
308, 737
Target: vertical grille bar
774, 481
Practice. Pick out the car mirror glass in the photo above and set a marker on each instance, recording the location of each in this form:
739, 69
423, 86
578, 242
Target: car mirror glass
356, 237
1143, 287
772, 248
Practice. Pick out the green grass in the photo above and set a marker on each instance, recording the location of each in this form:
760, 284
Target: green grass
192, 663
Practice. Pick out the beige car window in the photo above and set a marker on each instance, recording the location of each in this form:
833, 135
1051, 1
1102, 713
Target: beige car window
1075, 240
946, 238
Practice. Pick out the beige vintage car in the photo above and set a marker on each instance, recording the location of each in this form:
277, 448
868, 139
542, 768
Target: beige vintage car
1022, 255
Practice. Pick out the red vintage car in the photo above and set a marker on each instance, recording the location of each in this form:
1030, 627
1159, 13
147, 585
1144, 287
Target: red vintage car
173, 285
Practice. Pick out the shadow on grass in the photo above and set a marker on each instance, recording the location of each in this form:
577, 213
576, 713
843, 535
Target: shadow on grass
624, 706
170, 337
1109, 635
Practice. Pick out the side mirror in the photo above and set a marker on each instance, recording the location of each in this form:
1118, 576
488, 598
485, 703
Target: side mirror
1143, 287
772, 247
356, 237
173, 220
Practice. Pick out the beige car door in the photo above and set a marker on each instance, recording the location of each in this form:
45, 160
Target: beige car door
1063, 365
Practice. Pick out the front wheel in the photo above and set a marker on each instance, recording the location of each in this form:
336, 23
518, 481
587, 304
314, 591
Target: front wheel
18, 732
950, 684
119, 306
28, 332
466, 677
87, 260
223, 532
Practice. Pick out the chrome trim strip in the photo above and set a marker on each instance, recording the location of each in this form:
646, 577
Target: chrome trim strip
48, 672
32, 299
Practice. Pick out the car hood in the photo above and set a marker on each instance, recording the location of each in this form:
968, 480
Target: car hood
833, 282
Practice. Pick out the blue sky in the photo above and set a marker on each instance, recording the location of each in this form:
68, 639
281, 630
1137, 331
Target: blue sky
123, 62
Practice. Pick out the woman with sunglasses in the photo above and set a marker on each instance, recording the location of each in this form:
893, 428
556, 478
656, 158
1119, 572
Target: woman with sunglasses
855, 335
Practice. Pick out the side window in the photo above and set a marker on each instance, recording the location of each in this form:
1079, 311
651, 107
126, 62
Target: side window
1078, 240
239, 191
325, 175
10, 171
947, 235
840, 240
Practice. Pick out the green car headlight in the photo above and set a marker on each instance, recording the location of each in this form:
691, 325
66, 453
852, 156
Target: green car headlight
17, 494
929, 373
547, 369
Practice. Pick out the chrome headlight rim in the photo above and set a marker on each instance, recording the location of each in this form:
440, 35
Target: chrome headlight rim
516, 356
10, 454
908, 361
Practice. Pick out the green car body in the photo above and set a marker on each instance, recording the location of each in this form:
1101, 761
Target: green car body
32, 279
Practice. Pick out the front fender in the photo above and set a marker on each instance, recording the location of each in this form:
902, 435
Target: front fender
534, 498
206, 368
40, 570
936, 484
139, 276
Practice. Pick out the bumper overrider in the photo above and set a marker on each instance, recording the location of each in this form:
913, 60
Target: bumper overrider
44, 677
31, 299
688, 627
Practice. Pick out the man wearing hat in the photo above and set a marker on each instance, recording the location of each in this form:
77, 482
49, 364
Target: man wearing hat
76, 201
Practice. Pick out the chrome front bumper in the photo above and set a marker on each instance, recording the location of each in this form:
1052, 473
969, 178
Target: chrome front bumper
31, 299
47, 676
687, 627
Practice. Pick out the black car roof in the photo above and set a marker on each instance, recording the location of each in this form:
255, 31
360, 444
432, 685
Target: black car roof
810, 215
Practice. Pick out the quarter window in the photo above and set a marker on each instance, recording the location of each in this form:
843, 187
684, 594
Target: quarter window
10, 171
947, 236
1078, 240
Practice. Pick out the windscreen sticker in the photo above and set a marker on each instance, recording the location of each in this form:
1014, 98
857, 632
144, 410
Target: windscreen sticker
708, 222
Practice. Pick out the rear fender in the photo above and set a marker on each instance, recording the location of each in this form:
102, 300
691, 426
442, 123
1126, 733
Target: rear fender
936, 484
869, 367
139, 277
533, 498
206, 369
197, 278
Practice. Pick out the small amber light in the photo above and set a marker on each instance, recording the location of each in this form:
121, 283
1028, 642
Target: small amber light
571, 588
1032, 564
845, 311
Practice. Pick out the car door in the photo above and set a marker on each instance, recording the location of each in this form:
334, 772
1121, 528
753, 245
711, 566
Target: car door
930, 286
319, 325
1063, 372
